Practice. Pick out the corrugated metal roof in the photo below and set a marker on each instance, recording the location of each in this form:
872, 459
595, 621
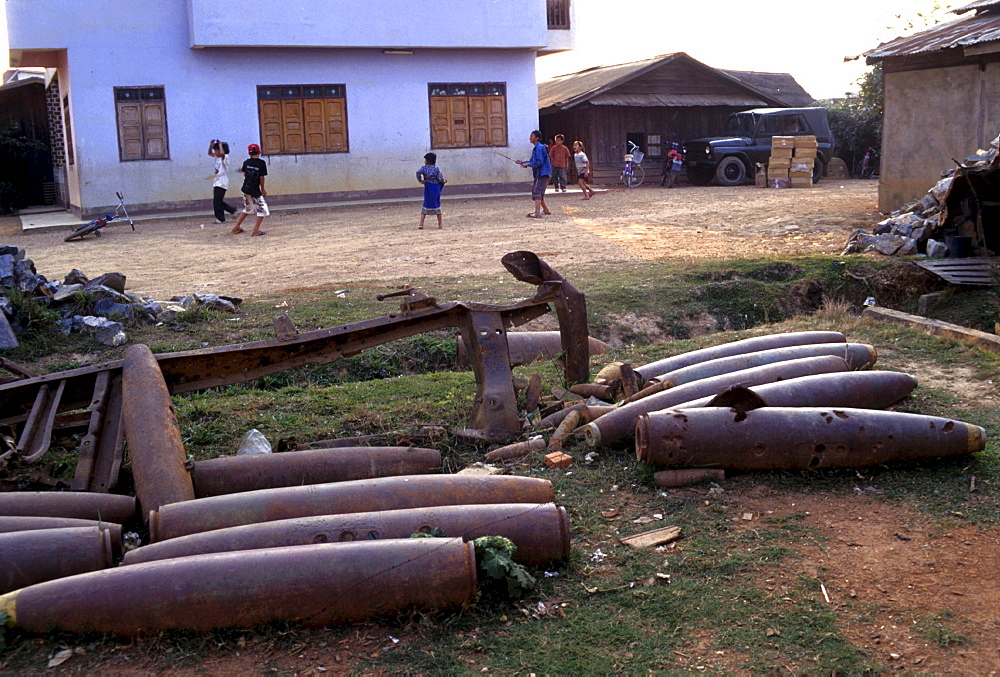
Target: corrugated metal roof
781, 86
967, 31
565, 91
653, 100
978, 5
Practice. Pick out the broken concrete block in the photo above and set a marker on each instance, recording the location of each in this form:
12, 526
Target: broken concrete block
67, 291
214, 302
76, 277
909, 247
107, 308
7, 337
936, 250
940, 188
6, 270
888, 244
115, 281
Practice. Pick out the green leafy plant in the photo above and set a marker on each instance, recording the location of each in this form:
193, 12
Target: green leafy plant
495, 560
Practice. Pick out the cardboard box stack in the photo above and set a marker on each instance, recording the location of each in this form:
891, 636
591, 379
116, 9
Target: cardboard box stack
804, 157
782, 149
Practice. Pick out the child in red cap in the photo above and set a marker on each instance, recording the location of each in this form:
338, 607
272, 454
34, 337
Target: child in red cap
254, 170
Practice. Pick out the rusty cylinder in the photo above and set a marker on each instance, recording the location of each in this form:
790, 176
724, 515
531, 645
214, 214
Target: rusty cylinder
524, 347
793, 438
153, 434
854, 389
620, 423
857, 355
76, 504
515, 451
669, 479
598, 390
29, 557
750, 345
12, 524
384, 493
319, 584
540, 531
234, 474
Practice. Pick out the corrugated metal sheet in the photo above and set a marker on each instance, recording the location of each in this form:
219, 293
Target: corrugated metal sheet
980, 4
964, 32
653, 100
565, 91
781, 86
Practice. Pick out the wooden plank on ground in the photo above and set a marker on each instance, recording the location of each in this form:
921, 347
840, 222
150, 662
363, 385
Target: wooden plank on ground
980, 339
969, 272
653, 538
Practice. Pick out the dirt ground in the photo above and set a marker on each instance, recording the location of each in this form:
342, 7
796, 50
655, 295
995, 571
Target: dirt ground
337, 245
882, 566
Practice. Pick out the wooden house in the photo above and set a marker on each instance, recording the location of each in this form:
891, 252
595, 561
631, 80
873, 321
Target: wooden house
669, 98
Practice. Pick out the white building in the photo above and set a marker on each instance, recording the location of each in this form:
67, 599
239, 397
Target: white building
344, 96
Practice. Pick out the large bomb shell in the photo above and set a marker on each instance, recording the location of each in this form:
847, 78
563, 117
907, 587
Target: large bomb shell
234, 474
318, 584
750, 345
386, 493
12, 524
857, 355
76, 504
619, 423
791, 438
540, 531
855, 389
29, 557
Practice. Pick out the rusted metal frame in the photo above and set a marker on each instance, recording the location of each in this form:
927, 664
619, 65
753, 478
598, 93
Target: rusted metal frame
15, 368
494, 409
88, 443
571, 310
111, 447
37, 433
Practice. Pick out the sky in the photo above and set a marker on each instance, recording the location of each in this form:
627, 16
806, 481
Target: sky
806, 38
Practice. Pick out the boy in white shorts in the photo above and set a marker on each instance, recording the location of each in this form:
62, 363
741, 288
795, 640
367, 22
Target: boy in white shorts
254, 170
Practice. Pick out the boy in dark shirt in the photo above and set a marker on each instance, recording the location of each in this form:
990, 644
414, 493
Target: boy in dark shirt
254, 170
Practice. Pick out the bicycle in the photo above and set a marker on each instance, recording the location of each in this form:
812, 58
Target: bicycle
633, 174
868, 167
96, 225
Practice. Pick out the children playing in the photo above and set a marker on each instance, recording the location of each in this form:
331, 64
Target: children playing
582, 169
433, 180
254, 170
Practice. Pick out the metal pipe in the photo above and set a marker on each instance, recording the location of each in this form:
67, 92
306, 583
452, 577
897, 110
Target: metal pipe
29, 557
750, 345
669, 479
28, 523
789, 438
515, 451
620, 423
857, 355
320, 584
540, 531
234, 474
153, 434
385, 493
81, 505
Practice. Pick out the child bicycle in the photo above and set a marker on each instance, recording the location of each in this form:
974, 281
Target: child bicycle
633, 174
868, 167
96, 225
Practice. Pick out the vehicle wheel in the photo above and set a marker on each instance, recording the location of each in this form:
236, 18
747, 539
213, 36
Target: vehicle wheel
731, 172
635, 178
818, 168
80, 232
699, 178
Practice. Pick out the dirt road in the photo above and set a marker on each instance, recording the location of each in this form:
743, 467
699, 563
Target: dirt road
336, 245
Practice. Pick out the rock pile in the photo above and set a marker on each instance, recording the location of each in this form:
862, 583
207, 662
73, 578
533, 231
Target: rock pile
920, 227
98, 306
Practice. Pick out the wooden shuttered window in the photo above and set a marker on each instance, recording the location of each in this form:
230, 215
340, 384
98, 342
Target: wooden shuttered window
298, 119
142, 123
468, 115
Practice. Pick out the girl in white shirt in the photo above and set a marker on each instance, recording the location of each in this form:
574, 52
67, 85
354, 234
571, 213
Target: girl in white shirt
220, 179
582, 169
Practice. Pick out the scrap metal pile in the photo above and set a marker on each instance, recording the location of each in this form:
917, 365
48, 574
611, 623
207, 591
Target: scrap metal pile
318, 536
953, 208
793, 401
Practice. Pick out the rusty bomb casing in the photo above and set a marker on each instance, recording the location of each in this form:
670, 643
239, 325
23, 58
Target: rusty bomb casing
751, 345
29, 557
792, 438
682, 477
857, 355
75, 504
319, 584
153, 433
854, 389
385, 493
234, 474
540, 531
619, 423
12, 524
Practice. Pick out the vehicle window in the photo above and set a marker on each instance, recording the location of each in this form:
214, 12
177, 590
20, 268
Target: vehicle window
769, 125
739, 125
794, 124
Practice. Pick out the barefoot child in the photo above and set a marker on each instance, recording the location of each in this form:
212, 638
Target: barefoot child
582, 169
254, 170
433, 180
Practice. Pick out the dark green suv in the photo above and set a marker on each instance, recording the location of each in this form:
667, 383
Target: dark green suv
730, 159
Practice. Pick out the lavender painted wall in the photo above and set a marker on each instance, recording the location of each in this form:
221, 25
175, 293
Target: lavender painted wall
211, 93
